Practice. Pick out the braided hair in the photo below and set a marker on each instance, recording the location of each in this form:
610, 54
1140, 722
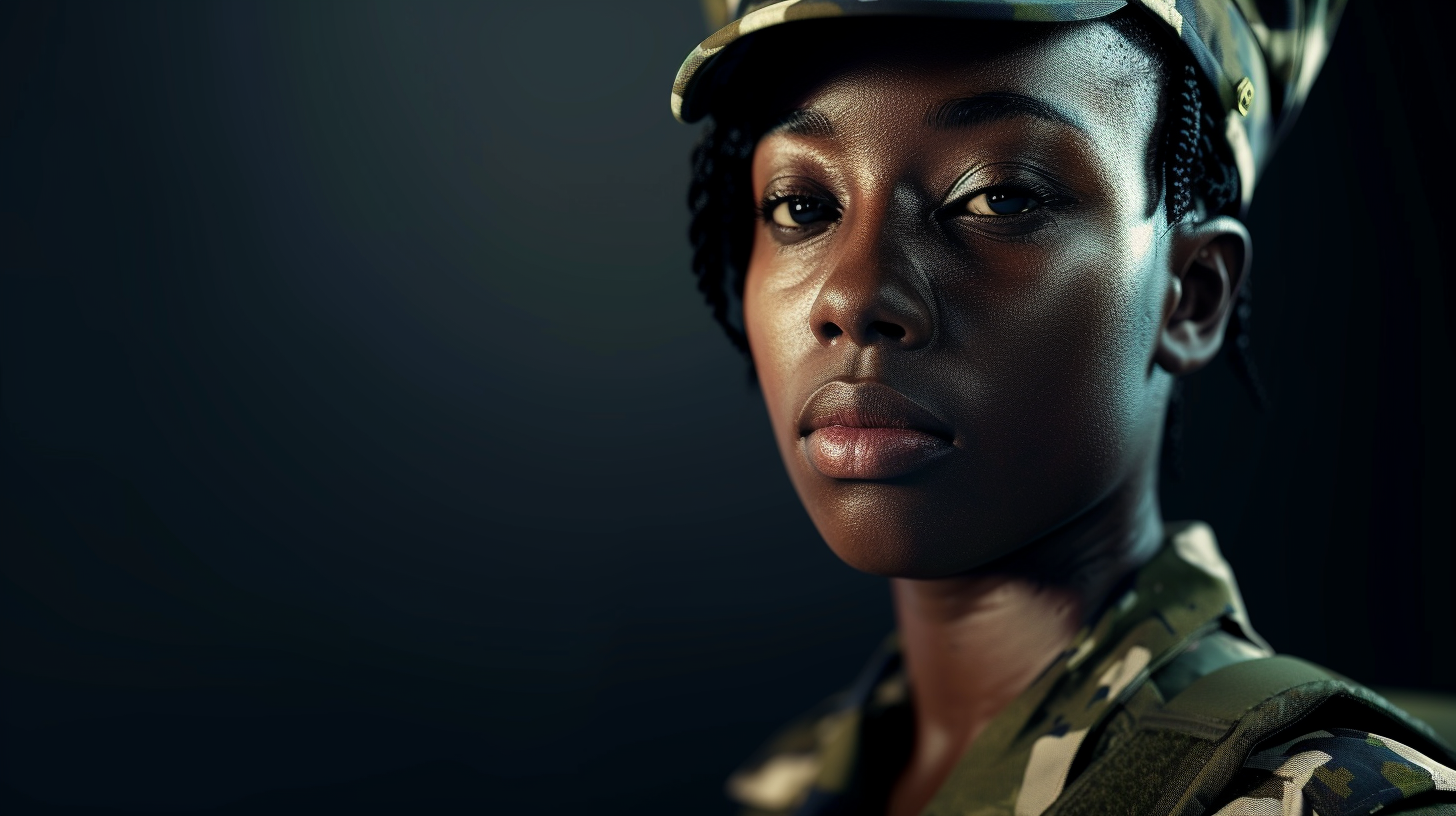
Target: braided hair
721, 227
1197, 174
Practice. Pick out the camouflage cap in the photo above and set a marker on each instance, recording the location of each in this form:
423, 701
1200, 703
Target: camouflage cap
1260, 56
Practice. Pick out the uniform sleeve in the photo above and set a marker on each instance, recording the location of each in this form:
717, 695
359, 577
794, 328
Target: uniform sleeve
1341, 772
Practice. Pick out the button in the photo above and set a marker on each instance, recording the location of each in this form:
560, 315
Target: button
1245, 92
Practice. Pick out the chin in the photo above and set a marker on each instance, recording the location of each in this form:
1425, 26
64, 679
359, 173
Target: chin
888, 530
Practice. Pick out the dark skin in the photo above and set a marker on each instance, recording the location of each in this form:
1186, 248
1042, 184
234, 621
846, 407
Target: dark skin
992, 299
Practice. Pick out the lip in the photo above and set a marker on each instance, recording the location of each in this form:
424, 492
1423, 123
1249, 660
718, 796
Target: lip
868, 430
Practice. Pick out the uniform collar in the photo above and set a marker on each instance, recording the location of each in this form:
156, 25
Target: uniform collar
1020, 762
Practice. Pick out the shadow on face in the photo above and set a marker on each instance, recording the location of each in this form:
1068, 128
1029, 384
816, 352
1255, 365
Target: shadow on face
958, 282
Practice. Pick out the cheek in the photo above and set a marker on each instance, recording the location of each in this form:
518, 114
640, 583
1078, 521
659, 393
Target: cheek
776, 318
1112, 298
1064, 358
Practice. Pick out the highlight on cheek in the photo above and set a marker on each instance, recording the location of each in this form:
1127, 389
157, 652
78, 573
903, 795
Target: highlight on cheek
1141, 240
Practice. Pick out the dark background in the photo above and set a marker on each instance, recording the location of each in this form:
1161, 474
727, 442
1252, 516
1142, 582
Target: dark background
366, 447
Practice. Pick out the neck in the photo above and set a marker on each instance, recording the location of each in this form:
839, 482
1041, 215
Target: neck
974, 642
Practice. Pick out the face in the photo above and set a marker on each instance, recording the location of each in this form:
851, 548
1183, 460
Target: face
956, 289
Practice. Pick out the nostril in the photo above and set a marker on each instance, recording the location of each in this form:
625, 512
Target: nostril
832, 331
890, 330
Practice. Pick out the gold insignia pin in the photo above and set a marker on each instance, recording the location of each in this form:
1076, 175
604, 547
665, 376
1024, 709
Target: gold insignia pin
1245, 92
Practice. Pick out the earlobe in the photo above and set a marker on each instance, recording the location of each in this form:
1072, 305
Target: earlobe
1207, 264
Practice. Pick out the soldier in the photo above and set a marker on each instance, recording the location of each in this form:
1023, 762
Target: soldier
970, 246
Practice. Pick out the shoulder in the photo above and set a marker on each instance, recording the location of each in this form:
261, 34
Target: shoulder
780, 774
823, 754
1304, 740
1271, 735
1341, 772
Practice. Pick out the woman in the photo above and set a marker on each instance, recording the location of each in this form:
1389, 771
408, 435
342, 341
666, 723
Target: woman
973, 254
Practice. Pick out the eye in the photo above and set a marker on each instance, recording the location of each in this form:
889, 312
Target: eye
796, 212
1002, 201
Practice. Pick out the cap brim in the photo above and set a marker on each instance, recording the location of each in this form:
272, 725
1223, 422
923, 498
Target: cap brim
691, 97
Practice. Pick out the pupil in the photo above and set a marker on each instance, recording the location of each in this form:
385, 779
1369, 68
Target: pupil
1008, 204
804, 211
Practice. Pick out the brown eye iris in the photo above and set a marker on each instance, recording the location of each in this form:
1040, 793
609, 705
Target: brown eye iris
1002, 202
799, 211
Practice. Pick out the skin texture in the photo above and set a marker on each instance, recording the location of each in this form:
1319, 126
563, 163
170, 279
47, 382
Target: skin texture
1040, 345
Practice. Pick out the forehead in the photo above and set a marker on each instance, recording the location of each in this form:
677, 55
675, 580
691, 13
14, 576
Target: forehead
897, 75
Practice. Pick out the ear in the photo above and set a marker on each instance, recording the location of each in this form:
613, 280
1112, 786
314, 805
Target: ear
1207, 264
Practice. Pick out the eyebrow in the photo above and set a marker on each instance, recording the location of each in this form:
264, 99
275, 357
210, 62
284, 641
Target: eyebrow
994, 106
803, 122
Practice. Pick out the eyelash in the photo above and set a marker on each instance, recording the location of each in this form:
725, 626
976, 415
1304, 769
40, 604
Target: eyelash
1046, 198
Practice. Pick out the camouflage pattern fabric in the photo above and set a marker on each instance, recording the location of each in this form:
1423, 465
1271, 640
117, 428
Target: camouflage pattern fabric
1340, 772
1260, 56
1020, 764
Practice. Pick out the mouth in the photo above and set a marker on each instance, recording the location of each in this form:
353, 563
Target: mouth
868, 430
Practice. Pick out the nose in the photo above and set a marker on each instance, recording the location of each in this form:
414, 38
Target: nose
871, 295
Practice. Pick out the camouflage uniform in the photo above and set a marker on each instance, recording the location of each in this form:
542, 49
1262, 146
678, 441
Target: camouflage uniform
1175, 632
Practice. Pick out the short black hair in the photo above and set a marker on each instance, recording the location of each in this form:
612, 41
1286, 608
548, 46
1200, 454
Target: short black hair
1195, 171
